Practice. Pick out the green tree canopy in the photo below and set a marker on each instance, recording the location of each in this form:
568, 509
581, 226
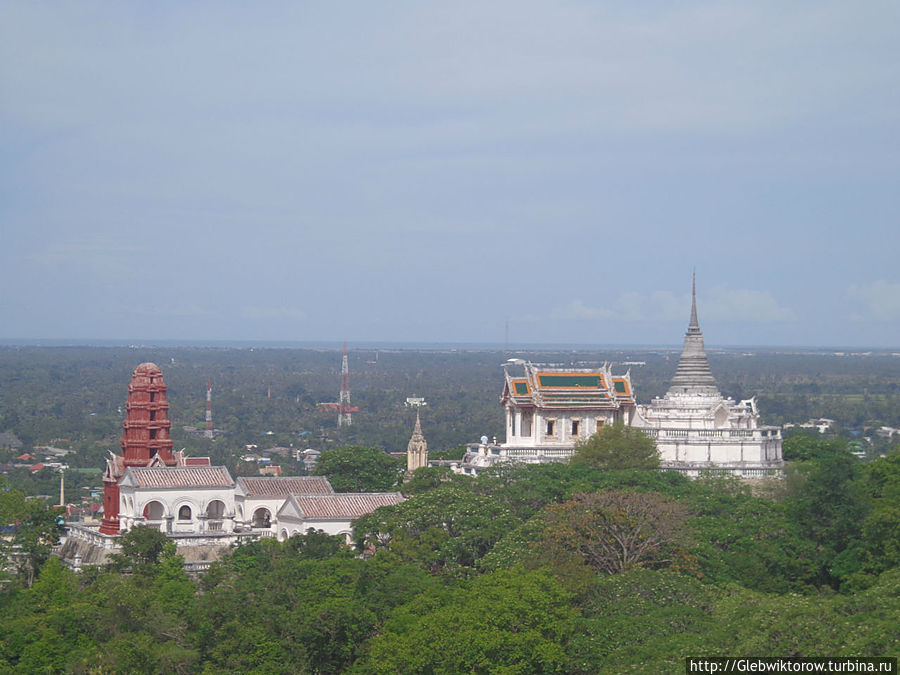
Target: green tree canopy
510, 621
141, 546
359, 469
801, 446
616, 447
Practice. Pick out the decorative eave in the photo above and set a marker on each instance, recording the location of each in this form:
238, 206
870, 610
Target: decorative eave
564, 388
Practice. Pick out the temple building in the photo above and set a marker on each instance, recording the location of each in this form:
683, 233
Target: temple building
145, 438
417, 448
697, 430
197, 505
549, 409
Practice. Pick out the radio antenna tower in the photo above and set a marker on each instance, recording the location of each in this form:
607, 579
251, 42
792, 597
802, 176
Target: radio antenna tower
209, 427
344, 408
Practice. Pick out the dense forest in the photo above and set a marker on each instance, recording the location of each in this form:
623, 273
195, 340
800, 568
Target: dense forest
74, 396
586, 567
563, 568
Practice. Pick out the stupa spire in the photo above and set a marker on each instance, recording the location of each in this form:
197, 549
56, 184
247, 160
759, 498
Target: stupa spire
694, 324
417, 450
693, 376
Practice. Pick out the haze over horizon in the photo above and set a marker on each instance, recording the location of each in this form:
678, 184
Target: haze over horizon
542, 172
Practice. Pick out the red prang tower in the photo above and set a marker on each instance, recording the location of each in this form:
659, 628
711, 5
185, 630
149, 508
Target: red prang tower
145, 438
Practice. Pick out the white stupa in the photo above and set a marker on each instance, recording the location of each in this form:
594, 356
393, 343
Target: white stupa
698, 430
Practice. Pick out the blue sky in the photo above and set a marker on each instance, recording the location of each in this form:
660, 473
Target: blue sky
413, 171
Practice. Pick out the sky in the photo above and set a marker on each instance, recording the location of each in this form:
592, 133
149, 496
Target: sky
521, 171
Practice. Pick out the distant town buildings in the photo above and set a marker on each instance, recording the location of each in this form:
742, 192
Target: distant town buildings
821, 424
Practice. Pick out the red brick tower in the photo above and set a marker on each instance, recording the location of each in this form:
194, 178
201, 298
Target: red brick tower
145, 437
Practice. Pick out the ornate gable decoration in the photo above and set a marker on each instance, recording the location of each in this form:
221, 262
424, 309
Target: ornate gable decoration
549, 387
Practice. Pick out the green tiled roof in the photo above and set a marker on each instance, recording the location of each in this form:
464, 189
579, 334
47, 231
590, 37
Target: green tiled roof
592, 381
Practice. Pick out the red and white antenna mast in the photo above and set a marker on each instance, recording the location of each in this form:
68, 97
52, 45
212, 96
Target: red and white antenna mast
344, 407
209, 427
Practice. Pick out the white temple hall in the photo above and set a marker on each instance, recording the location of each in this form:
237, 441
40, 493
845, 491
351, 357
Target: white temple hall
549, 409
200, 507
696, 429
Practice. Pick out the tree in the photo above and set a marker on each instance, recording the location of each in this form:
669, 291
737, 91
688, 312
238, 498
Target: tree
616, 447
881, 529
510, 621
35, 531
444, 528
802, 446
617, 530
141, 547
829, 502
429, 477
359, 469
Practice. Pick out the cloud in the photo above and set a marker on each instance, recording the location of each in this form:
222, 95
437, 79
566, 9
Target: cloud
879, 300
748, 306
578, 311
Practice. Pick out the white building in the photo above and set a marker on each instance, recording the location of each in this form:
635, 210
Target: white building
205, 511
258, 499
697, 430
549, 409
333, 514
178, 500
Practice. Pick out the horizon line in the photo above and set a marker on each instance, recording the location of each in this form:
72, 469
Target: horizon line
412, 345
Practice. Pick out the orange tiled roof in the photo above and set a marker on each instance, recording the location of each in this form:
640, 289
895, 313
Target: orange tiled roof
285, 485
181, 476
345, 505
197, 461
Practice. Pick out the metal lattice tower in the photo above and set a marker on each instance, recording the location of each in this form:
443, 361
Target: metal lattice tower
344, 408
209, 427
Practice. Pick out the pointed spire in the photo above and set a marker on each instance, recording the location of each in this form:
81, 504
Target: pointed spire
694, 325
693, 376
417, 450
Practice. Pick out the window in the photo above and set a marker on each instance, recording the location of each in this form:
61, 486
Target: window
154, 511
551, 427
262, 518
526, 424
184, 513
575, 425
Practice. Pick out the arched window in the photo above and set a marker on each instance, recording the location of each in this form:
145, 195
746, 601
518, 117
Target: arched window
215, 510
154, 511
262, 517
184, 513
